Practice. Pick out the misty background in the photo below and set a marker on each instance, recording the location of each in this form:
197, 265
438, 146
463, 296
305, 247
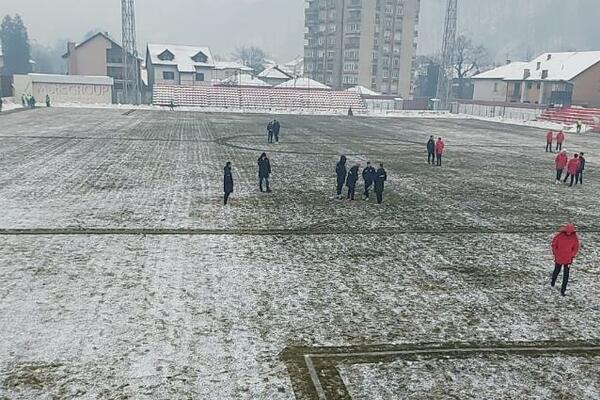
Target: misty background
514, 29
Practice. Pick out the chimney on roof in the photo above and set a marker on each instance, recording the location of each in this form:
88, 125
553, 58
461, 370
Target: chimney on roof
549, 57
72, 58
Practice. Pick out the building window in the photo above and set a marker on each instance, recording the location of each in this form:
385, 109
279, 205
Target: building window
166, 56
199, 76
495, 87
168, 75
200, 57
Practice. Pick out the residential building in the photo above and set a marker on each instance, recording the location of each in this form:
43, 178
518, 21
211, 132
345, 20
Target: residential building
552, 78
371, 43
188, 65
275, 75
99, 55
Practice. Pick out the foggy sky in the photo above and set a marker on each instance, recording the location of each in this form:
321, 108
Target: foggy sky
509, 28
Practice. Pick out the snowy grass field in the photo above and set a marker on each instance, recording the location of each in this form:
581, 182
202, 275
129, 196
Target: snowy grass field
122, 276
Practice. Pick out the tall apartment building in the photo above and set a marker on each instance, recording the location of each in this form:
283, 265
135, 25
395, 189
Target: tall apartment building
371, 43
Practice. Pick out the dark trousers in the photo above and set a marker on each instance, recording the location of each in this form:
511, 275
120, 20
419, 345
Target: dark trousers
367, 187
379, 197
565, 281
277, 137
351, 192
226, 197
558, 146
579, 178
270, 137
266, 180
549, 147
439, 160
559, 174
339, 187
431, 158
572, 178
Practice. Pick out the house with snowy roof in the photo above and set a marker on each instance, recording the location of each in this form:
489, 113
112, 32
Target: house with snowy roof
552, 78
275, 75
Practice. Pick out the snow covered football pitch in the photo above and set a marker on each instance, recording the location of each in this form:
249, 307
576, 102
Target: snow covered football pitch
123, 277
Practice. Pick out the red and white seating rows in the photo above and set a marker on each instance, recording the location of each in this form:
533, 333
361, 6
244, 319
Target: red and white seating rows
240, 97
570, 115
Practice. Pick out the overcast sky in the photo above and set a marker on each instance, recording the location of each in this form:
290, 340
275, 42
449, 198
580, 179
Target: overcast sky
508, 28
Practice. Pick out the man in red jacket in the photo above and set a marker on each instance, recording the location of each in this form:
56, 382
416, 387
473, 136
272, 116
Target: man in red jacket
572, 169
560, 139
549, 138
565, 246
439, 151
561, 163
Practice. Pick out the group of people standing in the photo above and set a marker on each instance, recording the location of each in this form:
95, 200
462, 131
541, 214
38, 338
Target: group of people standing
560, 139
273, 129
435, 151
371, 177
28, 100
575, 167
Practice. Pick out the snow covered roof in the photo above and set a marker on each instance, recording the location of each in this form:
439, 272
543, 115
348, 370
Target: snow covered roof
303, 83
180, 56
274, 73
363, 90
555, 67
231, 65
73, 79
105, 35
244, 80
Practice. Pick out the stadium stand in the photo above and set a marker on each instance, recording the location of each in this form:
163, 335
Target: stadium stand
258, 98
570, 115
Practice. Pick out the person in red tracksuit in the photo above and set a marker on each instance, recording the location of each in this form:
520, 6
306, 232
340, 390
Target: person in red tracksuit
549, 138
560, 161
439, 151
572, 169
560, 139
565, 246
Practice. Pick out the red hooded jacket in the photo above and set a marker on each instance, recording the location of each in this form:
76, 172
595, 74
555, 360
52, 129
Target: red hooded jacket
573, 166
560, 138
561, 160
549, 136
439, 147
565, 245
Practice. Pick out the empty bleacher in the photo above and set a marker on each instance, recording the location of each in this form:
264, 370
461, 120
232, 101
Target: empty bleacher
570, 115
258, 98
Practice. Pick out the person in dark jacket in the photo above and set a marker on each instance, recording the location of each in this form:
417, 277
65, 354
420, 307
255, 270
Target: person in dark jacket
579, 176
351, 181
340, 172
270, 132
431, 150
172, 105
350, 112
380, 178
227, 182
1, 104
264, 170
47, 100
276, 128
565, 247
368, 175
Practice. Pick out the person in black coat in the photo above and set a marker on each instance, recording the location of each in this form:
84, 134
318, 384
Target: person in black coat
264, 170
380, 178
351, 181
270, 132
431, 151
579, 176
340, 171
368, 175
227, 182
276, 128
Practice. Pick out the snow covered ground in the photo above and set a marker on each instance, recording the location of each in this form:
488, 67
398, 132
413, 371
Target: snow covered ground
124, 277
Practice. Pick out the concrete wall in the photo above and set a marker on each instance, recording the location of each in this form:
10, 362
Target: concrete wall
586, 88
484, 90
76, 90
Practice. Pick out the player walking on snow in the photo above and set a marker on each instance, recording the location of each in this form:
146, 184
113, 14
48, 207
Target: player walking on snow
565, 246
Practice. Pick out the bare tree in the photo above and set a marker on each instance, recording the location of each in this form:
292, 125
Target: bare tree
468, 59
251, 56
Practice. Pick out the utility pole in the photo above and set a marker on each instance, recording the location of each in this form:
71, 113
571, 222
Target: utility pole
448, 47
131, 68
